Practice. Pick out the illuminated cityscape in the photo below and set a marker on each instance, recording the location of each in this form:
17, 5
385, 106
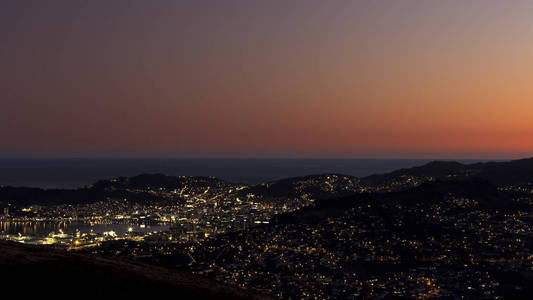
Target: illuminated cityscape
319, 236
196, 207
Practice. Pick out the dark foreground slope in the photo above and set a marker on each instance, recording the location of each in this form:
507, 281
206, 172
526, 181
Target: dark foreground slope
38, 271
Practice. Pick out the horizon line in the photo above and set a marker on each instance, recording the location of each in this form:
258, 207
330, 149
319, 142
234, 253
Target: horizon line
104, 157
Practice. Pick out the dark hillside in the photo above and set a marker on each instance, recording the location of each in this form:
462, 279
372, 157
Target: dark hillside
499, 173
37, 271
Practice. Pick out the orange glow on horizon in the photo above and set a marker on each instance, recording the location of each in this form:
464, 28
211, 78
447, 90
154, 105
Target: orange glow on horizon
381, 79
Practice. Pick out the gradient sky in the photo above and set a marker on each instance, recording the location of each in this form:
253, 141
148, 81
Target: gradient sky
437, 79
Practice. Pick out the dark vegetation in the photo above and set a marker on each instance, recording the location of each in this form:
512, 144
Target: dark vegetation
43, 272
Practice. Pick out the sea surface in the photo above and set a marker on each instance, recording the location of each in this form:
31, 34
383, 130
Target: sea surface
79, 172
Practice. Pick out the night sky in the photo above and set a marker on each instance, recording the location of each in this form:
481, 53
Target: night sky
424, 79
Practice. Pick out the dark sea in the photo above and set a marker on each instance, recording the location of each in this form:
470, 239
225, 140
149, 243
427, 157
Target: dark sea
73, 173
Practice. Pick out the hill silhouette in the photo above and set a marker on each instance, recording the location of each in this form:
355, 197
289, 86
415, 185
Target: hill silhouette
499, 173
431, 192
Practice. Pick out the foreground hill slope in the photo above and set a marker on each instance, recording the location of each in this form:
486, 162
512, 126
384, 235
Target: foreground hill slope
39, 271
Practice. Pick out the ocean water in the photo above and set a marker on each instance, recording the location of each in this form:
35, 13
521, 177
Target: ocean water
73, 173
